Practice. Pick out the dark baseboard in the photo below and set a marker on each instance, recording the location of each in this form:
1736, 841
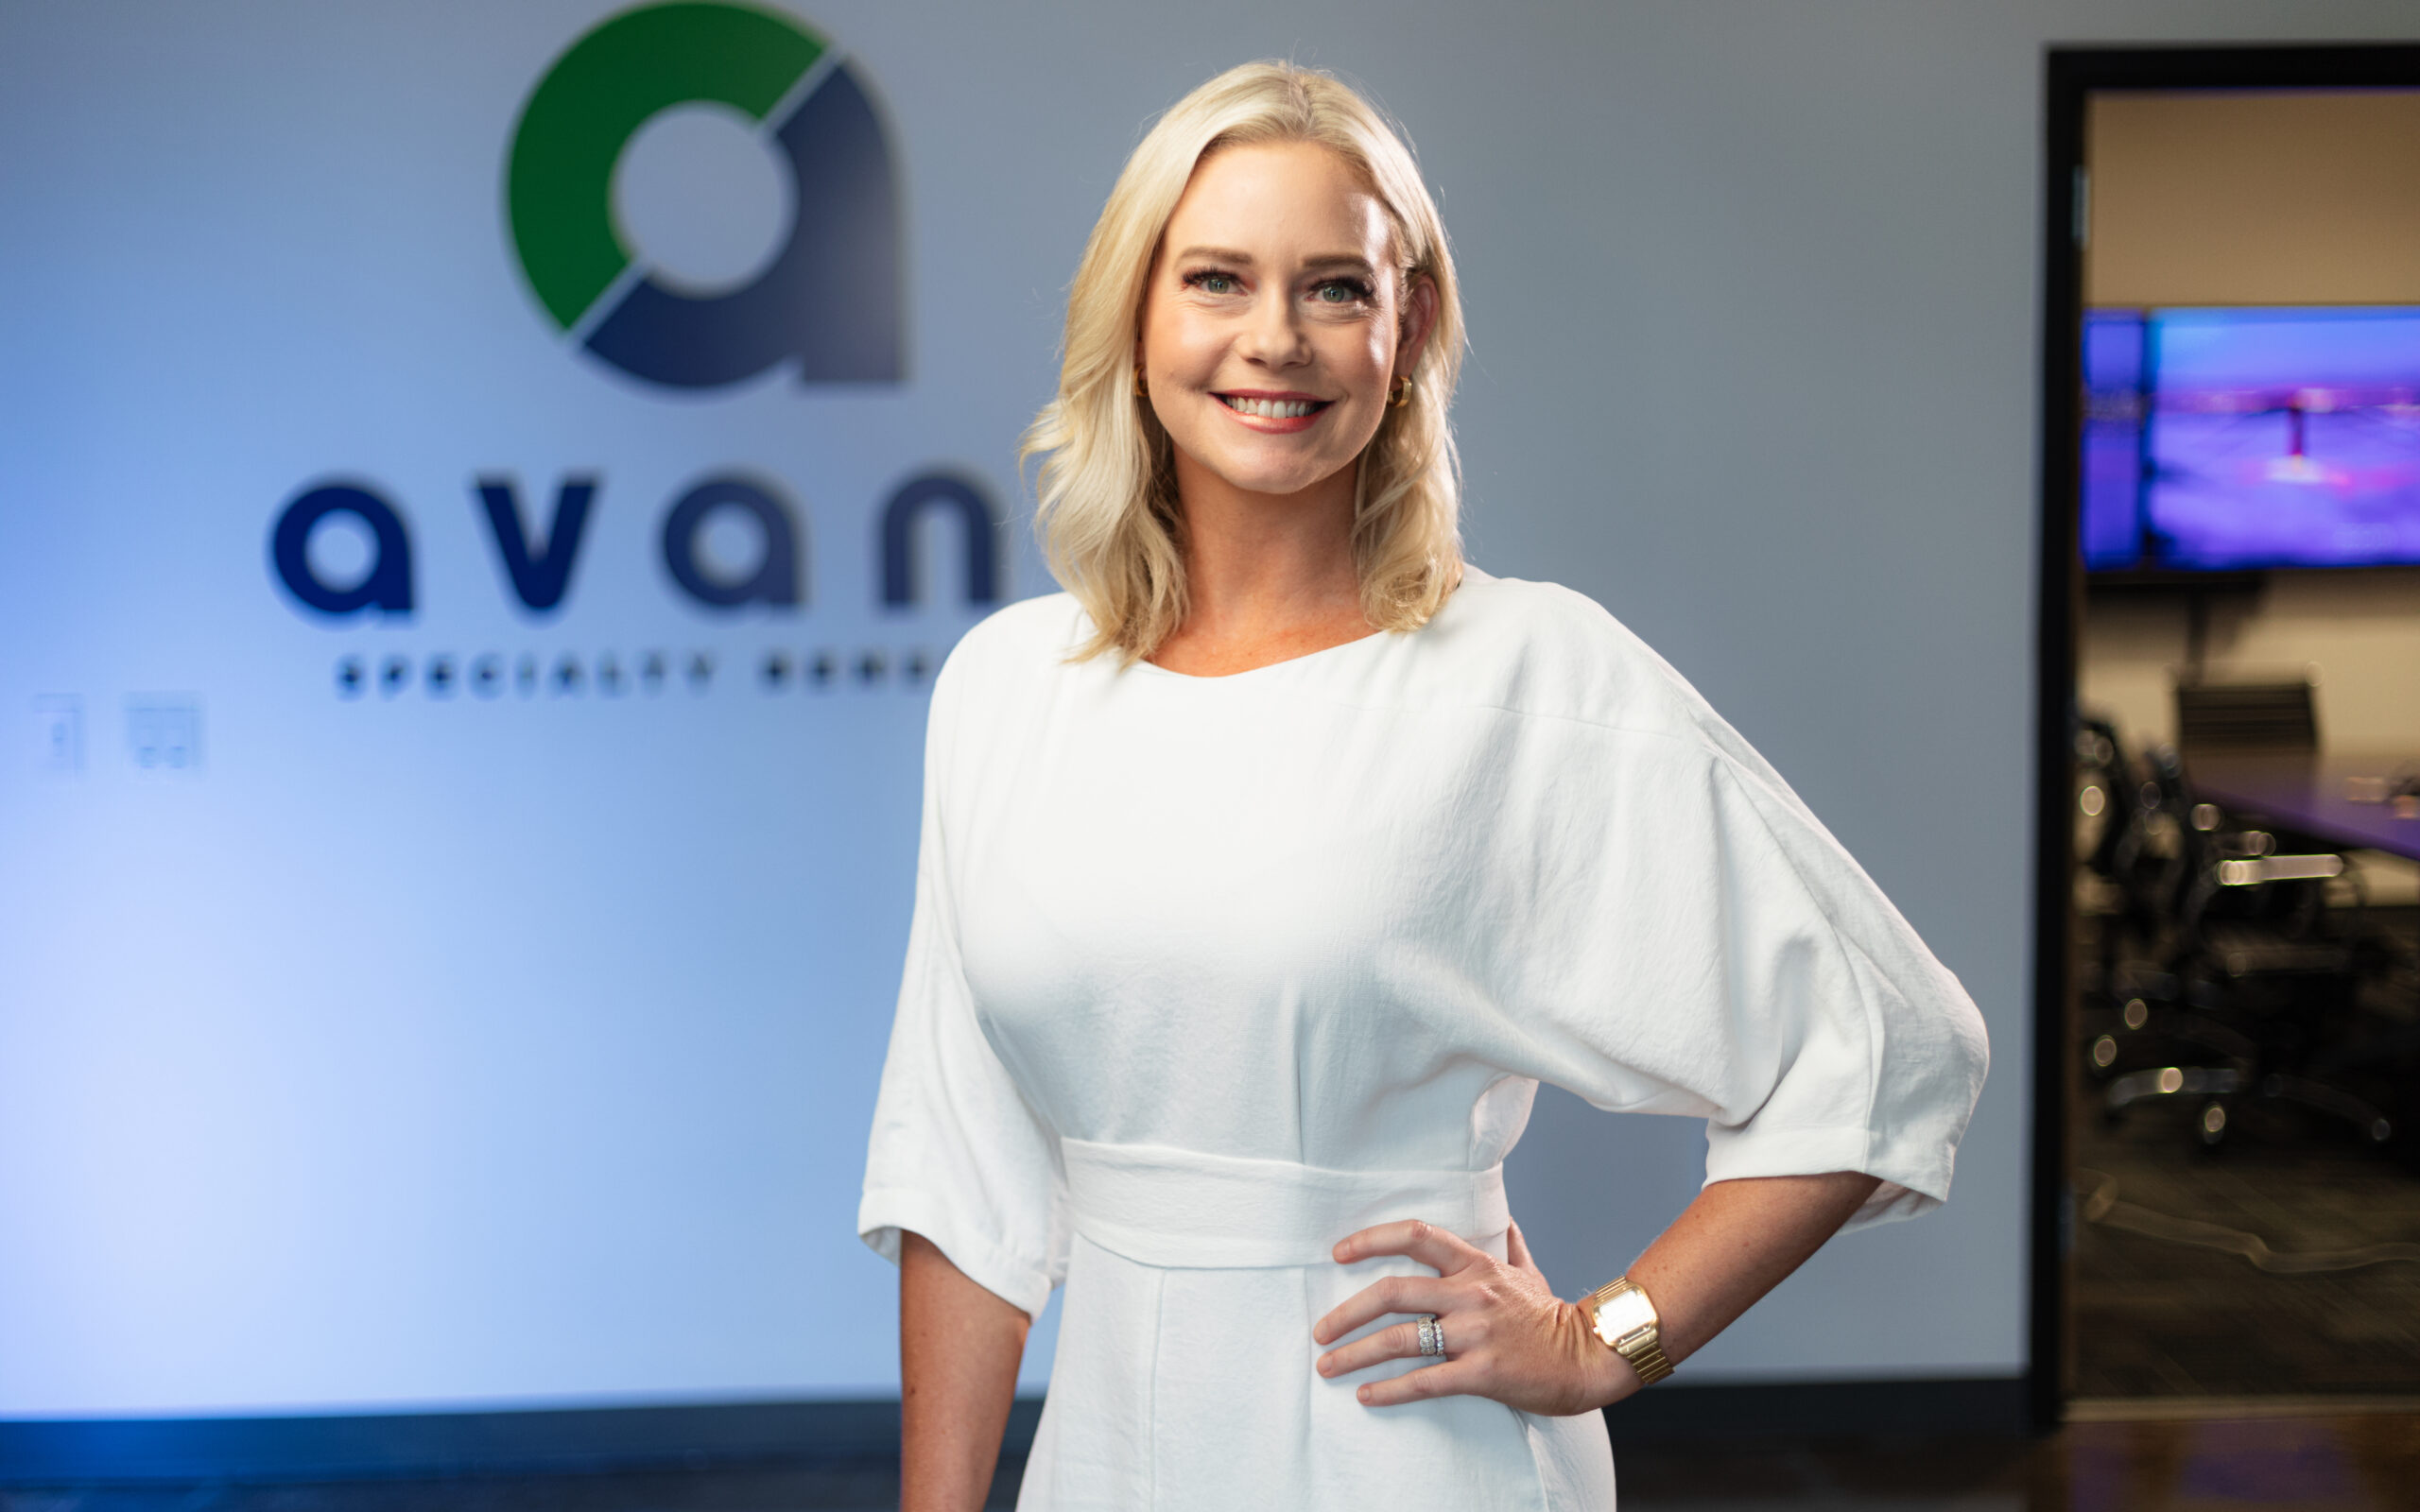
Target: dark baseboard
365, 1445
359, 1446
1993, 1406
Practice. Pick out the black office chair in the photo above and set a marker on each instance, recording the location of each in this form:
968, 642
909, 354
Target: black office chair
2133, 854
2246, 716
2152, 1037
2139, 1031
2255, 992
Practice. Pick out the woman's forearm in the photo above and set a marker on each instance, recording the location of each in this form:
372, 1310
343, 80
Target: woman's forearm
958, 1349
1736, 1242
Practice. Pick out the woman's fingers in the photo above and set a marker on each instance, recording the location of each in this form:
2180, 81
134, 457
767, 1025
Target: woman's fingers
1465, 1333
1393, 1294
1454, 1376
1400, 1342
1508, 1337
1517, 1253
1413, 1238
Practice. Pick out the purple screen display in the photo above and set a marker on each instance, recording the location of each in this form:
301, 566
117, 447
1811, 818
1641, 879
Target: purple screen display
2227, 440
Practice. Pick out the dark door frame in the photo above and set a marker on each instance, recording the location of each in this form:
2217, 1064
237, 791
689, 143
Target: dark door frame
2072, 74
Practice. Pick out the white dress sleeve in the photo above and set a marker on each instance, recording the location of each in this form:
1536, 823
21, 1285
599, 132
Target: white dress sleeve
957, 1154
1695, 942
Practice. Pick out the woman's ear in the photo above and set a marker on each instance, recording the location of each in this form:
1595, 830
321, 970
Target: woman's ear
1419, 319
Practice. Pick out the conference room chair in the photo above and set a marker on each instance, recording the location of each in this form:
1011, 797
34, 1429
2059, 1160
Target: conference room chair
2140, 1029
2263, 717
2144, 1037
2249, 949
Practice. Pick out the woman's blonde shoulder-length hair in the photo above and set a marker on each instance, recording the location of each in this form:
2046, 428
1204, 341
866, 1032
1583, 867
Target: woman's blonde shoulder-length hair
1107, 507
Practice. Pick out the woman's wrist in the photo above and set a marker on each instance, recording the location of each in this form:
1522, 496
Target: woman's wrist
1605, 1377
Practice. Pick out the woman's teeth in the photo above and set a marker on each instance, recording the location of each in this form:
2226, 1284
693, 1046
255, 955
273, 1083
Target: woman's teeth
1270, 408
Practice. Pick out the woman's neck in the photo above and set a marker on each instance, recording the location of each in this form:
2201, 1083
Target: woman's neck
1268, 578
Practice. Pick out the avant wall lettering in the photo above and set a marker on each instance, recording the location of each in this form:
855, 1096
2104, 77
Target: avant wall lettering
538, 570
385, 587
539, 577
899, 516
775, 579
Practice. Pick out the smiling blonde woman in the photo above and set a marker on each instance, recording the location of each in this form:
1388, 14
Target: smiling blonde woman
1109, 511
1268, 871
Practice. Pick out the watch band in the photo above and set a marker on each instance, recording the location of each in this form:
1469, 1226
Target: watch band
1643, 1346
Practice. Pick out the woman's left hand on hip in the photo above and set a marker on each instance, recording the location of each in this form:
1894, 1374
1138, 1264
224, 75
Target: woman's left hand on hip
1506, 1336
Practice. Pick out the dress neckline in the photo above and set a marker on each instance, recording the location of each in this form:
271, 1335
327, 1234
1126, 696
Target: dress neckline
1472, 577
1157, 670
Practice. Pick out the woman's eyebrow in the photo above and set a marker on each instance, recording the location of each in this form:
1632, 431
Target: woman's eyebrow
1213, 254
1350, 262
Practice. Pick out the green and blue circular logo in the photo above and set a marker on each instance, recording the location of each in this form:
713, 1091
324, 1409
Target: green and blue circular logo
828, 299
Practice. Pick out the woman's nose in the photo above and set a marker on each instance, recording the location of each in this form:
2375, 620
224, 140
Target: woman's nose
1275, 337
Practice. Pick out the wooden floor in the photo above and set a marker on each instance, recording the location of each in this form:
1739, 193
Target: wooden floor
2343, 1462
2153, 1317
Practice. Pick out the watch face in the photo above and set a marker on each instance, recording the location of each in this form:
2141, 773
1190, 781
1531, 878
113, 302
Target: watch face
1624, 1315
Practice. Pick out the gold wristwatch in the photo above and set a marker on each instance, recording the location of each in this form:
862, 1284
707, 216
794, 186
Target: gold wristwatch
1626, 1320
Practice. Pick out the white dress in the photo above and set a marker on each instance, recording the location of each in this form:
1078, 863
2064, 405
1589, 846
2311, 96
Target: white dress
1208, 972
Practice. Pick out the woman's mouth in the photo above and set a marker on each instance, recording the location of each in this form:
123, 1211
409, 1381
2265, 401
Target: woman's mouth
1287, 411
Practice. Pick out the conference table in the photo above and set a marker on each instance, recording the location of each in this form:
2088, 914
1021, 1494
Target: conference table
2343, 799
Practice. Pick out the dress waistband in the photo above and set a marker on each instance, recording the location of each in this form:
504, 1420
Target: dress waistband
1178, 1210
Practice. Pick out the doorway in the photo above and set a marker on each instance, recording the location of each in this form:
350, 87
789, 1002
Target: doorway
2227, 1052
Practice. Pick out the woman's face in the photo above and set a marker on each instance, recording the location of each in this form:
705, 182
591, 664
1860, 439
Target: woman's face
1274, 317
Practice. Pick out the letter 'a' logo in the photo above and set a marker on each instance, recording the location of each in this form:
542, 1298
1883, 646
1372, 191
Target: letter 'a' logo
830, 298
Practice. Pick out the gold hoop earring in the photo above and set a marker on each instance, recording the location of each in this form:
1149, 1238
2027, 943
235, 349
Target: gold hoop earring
1399, 392
1142, 387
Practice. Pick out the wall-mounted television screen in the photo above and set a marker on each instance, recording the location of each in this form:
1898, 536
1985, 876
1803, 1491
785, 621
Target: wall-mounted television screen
2231, 440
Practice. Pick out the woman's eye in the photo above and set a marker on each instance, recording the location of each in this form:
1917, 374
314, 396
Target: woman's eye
1339, 291
1212, 282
